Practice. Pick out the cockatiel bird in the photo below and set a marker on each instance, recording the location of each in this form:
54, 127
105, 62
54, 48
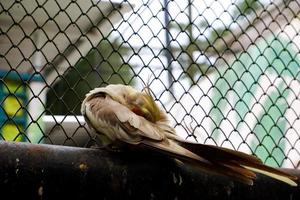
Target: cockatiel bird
125, 115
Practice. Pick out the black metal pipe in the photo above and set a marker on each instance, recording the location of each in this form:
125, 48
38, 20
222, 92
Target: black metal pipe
31, 171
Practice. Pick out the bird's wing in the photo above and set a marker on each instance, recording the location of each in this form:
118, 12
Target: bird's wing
107, 115
103, 112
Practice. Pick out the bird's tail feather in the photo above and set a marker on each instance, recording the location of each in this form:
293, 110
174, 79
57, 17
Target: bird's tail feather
173, 149
241, 163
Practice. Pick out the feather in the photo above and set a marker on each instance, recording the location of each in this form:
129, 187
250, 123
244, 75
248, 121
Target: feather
231, 158
291, 180
143, 104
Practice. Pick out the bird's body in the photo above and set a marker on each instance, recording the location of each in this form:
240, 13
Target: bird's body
125, 115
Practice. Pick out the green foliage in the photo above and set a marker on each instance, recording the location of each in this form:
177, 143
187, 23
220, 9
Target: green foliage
102, 65
206, 43
246, 7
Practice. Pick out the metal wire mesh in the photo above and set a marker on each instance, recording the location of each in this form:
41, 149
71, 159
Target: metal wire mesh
226, 72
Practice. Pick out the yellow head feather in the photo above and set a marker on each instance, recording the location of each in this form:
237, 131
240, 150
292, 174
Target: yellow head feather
151, 107
143, 104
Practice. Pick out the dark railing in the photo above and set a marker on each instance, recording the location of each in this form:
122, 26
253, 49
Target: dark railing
39, 171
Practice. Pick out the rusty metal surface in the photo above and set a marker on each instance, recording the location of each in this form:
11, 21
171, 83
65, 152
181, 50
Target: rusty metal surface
31, 171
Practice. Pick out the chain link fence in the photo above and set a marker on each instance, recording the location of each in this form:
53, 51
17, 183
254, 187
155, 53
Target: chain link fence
226, 72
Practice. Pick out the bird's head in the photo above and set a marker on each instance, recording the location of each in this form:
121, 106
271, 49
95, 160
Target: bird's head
141, 103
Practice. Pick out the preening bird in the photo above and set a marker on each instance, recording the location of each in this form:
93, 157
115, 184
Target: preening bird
126, 116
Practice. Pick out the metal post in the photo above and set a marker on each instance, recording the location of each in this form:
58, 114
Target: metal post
36, 98
168, 50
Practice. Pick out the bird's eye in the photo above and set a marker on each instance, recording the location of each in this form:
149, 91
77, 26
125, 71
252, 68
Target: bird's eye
99, 94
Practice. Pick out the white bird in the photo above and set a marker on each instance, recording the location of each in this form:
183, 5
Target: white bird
124, 115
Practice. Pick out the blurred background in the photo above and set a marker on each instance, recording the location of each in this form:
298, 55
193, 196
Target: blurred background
226, 72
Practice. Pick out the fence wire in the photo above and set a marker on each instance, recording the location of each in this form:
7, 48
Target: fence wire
226, 72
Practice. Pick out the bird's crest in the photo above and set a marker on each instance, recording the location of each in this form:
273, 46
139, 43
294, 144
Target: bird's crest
150, 109
143, 104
